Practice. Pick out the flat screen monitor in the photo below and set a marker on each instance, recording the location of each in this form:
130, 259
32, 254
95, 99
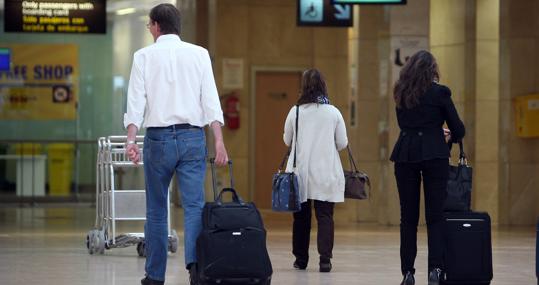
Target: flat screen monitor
55, 16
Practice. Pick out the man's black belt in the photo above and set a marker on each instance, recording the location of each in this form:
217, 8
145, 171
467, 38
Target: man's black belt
177, 127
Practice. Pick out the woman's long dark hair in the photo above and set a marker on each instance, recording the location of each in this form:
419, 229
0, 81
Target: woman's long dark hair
417, 75
313, 86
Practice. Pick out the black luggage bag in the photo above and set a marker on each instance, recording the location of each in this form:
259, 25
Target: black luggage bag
468, 248
231, 248
459, 184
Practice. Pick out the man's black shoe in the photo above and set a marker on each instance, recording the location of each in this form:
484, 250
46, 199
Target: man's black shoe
435, 275
408, 279
193, 273
149, 281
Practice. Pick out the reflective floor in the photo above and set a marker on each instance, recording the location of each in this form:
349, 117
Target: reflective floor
46, 245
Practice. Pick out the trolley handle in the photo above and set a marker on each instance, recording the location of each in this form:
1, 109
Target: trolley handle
122, 139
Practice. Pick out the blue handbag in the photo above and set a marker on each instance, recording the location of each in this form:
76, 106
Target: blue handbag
285, 190
285, 194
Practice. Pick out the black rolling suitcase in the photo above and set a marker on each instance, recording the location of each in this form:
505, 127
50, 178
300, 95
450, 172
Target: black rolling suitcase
468, 248
231, 248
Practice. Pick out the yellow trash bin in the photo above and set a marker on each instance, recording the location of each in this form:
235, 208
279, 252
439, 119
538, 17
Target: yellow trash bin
60, 157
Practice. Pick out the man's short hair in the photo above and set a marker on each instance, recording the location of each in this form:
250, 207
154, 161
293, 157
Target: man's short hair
168, 17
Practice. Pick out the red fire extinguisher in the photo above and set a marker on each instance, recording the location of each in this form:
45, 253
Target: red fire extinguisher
232, 111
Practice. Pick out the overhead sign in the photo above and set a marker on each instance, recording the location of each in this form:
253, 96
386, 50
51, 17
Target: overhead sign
41, 84
379, 2
323, 13
5, 59
55, 16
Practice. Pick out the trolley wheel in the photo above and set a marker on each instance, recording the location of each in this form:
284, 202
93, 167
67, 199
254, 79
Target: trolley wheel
173, 242
88, 243
92, 241
141, 249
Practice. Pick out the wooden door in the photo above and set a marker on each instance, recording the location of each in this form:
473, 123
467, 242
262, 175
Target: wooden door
276, 93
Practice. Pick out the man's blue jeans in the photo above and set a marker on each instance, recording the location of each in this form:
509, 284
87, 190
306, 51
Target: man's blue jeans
167, 150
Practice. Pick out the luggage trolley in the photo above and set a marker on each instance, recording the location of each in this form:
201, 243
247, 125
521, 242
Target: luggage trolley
114, 205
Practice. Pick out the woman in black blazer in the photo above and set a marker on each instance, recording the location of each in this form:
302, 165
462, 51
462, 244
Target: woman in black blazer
421, 152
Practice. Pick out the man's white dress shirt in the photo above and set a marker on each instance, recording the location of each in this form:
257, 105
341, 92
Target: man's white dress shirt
172, 83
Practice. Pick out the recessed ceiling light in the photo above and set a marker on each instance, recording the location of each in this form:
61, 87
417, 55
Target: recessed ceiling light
125, 11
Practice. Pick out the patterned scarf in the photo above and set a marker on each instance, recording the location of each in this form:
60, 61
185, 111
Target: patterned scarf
322, 99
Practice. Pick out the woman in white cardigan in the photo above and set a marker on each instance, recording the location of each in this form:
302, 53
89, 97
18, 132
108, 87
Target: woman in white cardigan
322, 133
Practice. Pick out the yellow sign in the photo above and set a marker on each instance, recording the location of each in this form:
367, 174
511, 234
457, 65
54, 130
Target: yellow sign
42, 83
527, 115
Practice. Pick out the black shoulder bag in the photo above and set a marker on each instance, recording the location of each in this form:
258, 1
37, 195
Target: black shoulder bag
459, 185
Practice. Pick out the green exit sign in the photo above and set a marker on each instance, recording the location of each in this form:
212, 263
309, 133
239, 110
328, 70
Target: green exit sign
378, 2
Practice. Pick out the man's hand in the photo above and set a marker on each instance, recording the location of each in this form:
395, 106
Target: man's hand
221, 156
131, 149
133, 153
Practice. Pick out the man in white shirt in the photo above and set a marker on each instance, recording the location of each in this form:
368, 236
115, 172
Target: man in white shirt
172, 90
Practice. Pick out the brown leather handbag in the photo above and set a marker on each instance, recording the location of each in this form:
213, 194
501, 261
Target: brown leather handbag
358, 185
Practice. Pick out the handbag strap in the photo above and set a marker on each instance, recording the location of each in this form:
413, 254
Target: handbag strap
351, 158
462, 156
287, 153
461, 147
354, 166
296, 143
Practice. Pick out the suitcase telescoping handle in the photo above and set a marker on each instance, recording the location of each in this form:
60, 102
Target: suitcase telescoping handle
214, 182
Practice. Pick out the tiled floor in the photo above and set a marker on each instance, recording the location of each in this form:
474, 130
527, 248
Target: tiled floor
46, 245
